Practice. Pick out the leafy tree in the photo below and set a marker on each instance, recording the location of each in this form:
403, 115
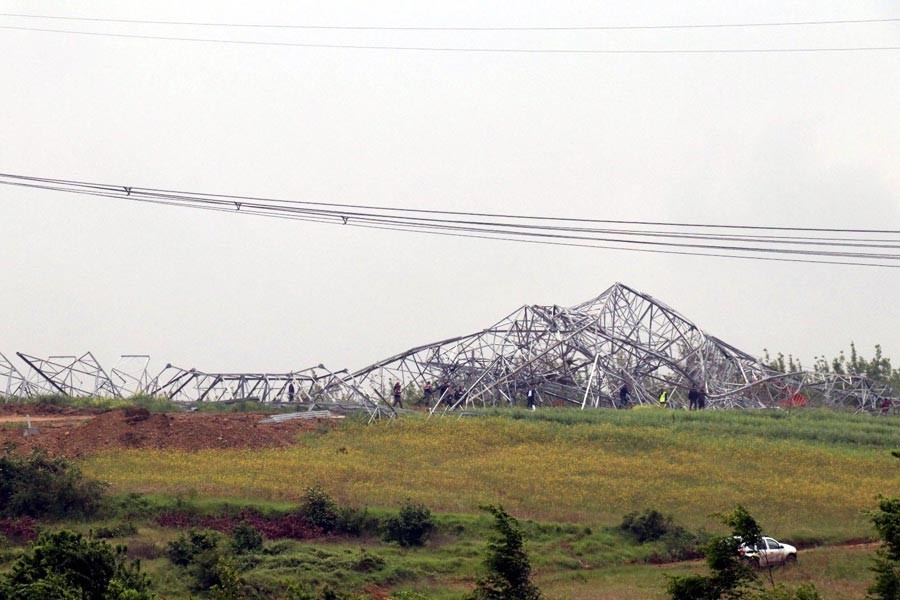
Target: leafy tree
878, 368
411, 526
246, 538
647, 526
509, 569
730, 575
319, 509
40, 486
64, 564
188, 546
887, 560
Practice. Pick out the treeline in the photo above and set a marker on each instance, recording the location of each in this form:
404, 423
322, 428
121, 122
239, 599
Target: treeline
878, 368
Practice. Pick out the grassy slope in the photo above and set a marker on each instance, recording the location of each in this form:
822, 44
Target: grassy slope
805, 476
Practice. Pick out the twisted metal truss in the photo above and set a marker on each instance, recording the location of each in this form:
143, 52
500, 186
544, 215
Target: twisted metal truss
578, 356
13, 384
314, 388
584, 354
73, 375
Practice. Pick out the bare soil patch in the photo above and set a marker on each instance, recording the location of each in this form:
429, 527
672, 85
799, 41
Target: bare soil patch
74, 433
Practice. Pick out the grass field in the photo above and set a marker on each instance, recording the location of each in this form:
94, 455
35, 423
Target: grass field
806, 476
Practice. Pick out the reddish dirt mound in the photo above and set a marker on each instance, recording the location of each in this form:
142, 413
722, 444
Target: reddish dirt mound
137, 428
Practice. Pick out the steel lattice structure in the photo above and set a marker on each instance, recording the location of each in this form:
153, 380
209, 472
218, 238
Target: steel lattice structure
577, 356
582, 356
315, 387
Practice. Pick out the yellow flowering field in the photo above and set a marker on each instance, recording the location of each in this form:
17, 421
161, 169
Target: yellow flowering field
808, 478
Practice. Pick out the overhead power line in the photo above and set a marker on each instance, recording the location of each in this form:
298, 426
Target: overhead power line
461, 28
587, 51
666, 238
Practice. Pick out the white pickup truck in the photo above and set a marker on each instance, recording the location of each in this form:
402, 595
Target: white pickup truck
769, 552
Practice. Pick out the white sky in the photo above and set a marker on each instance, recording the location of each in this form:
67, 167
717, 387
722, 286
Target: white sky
766, 139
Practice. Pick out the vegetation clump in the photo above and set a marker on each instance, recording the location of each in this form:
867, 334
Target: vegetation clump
38, 486
411, 526
887, 560
648, 526
246, 538
509, 568
319, 509
64, 565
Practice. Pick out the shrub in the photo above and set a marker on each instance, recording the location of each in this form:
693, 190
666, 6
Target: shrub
319, 509
887, 560
188, 546
63, 564
246, 538
411, 526
509, 569
118, 530
648, 526
38, 486
366, 563
356, 521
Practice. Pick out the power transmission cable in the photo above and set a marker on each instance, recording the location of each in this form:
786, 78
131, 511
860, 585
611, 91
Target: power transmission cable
506, 239
493, 230
461, 28
464, 50
425, 222
344, 206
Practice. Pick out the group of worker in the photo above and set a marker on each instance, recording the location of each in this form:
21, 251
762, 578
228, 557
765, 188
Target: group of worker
696, 397
448, 393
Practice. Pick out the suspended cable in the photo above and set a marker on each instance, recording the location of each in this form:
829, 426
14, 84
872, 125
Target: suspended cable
610, 238
460, 28
464, 50
346, 206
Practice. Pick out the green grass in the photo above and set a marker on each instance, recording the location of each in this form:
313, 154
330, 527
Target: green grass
807, 476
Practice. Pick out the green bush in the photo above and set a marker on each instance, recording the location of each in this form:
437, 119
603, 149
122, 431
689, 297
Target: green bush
887, 559
319, 509
648, 526
39, 486
411, 526
122, 529
509, 569
64, 564
356, 521
246, 538
190, 545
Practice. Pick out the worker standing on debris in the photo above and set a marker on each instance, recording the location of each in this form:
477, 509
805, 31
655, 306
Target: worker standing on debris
663, 398
458, 394
624, 393
428, 394
693, 398
291, 392
397, 393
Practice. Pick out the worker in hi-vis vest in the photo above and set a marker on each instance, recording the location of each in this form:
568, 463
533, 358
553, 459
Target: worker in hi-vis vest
663, 398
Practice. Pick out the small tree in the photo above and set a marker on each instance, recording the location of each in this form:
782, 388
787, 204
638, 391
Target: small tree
64, 564
509, 570
40, 486
887, 560
319, 509
411, 526
729, 573
246, 538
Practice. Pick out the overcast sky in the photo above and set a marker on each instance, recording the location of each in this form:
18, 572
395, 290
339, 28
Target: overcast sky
764, 139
